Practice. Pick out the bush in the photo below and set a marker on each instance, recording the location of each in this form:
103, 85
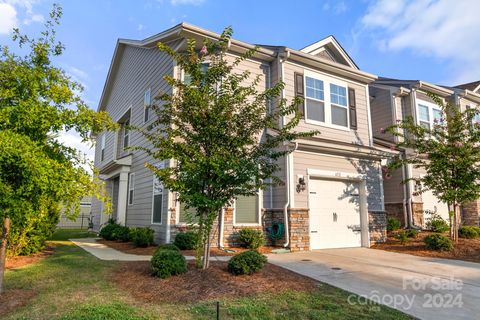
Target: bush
109, 230
247, 262
402, 236
186, 240
436, 223
411, 233
142, 237
251, 238
438, 242
166, 263
121, 233
468, 232
167, 246
393, 224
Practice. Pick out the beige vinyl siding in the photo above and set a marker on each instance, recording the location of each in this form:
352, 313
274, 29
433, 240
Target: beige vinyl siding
393, 187
325, 54
423, 96
360, 136
305, 160
382, 113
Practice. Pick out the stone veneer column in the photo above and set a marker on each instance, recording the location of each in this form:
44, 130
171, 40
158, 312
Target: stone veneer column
395, 210
418, 214
298, 220
377, 224
471, 213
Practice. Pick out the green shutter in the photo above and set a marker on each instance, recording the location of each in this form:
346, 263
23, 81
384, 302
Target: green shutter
246, 209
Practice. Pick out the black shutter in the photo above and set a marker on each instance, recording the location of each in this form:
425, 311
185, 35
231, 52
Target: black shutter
352, 108
299, 92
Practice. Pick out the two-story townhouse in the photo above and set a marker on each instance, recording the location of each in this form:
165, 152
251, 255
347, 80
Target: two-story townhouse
333, 194
393, 100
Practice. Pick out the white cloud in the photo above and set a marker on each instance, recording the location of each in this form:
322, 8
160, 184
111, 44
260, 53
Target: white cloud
72, 139
338, 8
446, 29
34, 18
186, 2
8, 19
140, 27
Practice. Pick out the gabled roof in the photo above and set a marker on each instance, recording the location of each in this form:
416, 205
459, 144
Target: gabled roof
472, 86
417, 84
332, 48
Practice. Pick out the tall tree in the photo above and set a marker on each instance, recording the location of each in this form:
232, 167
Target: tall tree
38, 174
448, 152
219, 132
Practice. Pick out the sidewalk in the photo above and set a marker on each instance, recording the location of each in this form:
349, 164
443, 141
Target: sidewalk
104, 252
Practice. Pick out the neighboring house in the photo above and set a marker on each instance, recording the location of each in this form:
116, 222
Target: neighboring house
394, 100
81, 222
333, 194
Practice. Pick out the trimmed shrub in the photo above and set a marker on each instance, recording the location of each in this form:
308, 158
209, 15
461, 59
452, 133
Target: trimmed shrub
109, 230
468, 232
247, 262
251, 238
436, 223
166, 263
186, 240
167, 246
142, 237
411, 233
402, 236
121, 233
438, 242
393, 224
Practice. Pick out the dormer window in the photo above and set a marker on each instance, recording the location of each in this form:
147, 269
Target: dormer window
428, 114
102, 147
146, 105
126, 134
187, 78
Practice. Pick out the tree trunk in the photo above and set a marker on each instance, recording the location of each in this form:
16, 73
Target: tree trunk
3, 251
457, 222
206, 254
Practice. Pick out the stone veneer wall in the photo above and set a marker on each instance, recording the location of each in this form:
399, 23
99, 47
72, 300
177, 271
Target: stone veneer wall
395, 210
471, 213
377, 224
299, 225
418, 214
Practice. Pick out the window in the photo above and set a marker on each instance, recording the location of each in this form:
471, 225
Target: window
247, 210
146, 105
428, 114
131, 187
476, 117
157, 201
315, 99
187, 78
338, 99
102, 147
326, 101
126, 134
186, 215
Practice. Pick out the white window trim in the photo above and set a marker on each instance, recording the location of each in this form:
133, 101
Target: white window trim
126, 134
327, 100
131, 188
430, 106
182, 72
102, 147
260, 206
145, 105
153, 201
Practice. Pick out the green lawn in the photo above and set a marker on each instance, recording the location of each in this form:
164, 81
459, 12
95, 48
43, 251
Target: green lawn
65, 234
71, 285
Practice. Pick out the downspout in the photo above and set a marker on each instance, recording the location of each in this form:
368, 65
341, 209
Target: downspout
406, 198
280, 60
220, 236
413, 102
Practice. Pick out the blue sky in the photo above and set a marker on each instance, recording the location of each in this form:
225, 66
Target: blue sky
432, 40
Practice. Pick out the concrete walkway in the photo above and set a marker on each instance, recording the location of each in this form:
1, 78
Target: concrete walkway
427, 288
104, 252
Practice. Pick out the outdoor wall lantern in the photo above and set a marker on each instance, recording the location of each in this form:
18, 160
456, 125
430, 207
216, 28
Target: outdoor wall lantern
301, 185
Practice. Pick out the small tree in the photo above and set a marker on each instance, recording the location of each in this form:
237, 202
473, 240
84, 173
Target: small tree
449, 153
38, 174
214, 127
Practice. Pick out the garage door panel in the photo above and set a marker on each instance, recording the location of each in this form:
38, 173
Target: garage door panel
335, 214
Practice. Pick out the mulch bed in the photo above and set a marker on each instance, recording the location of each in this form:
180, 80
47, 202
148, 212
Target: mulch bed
13, 299
20, 261
465, 249
200, 285
128, 247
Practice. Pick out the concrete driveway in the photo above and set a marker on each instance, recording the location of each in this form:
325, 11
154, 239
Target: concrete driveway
427, 288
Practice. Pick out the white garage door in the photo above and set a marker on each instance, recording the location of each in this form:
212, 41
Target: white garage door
334, 214
431, 203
